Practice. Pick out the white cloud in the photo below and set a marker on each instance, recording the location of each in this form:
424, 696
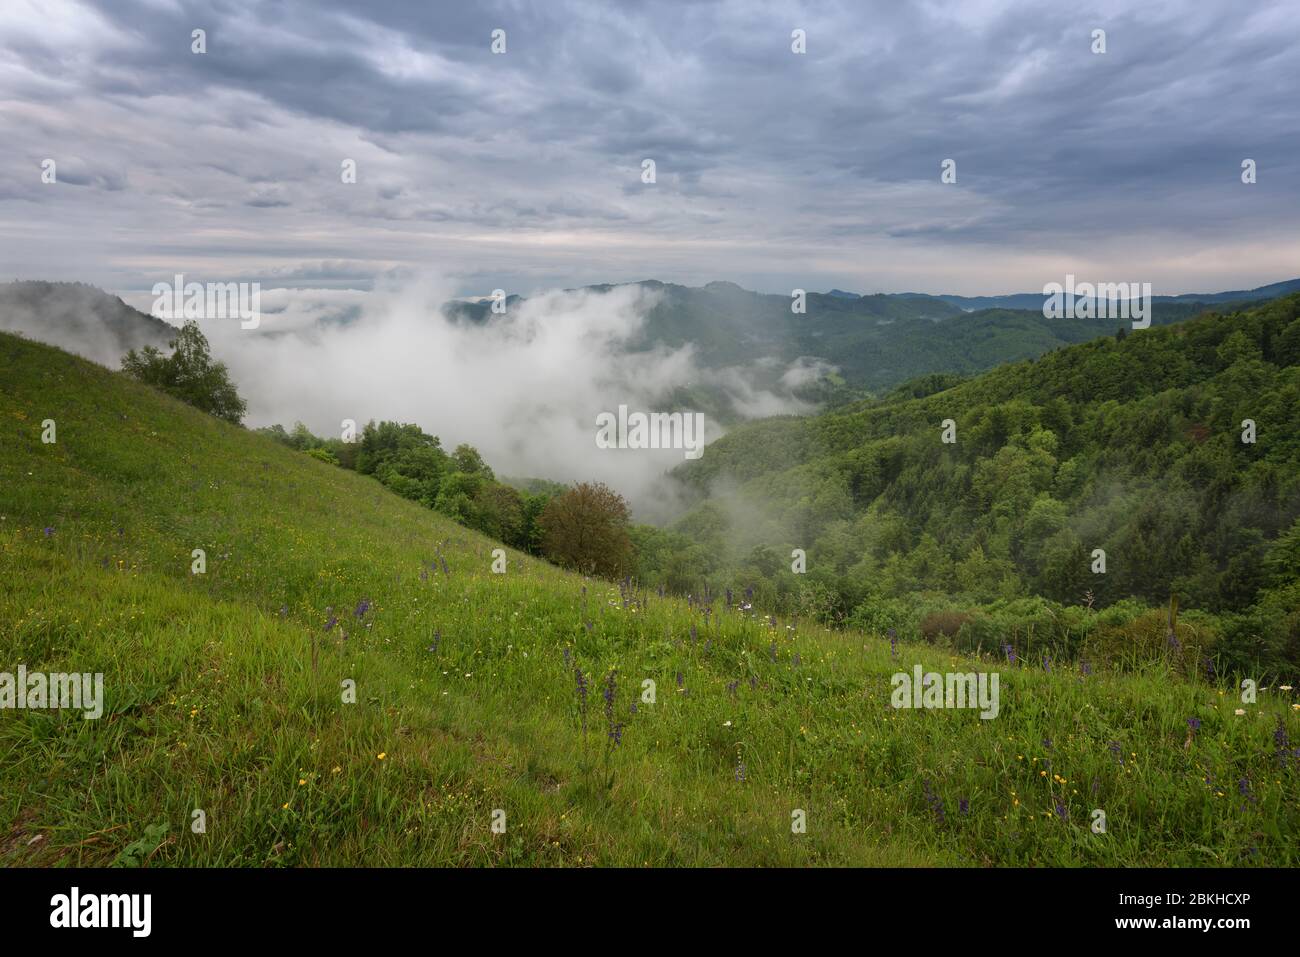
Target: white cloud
524, 388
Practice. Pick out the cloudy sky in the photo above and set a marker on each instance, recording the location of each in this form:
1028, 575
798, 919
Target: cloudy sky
774, 170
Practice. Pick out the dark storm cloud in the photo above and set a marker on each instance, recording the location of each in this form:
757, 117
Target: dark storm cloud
773, 169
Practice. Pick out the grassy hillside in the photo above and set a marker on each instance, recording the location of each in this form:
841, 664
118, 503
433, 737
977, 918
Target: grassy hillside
223, 691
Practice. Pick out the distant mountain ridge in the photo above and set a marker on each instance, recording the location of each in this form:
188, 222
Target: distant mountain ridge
1034, 300
875, 342
843, 346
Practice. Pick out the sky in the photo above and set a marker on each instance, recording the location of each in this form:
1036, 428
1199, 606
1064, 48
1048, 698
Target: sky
776, 170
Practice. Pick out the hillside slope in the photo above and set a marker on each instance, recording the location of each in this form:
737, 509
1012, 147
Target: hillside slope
224, 691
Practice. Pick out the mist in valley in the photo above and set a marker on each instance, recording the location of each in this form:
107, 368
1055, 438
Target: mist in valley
524, 387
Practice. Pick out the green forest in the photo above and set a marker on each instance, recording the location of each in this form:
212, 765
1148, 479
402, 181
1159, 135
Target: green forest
1173, 450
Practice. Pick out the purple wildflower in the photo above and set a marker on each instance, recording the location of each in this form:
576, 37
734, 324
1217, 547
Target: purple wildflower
935, 802
49, 530
363, 606
610, 692
331, 623
1244, 789
611, 687
581, 690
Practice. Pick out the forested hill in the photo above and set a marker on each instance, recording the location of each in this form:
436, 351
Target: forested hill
875, 342
1134, 444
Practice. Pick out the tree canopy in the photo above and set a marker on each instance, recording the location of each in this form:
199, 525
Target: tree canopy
189, 374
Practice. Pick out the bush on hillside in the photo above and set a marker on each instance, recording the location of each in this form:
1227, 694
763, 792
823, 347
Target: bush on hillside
188, 374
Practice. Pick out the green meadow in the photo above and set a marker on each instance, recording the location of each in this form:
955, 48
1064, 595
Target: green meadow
442, 694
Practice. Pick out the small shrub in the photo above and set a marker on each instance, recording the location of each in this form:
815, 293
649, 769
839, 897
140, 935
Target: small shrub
946, 623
